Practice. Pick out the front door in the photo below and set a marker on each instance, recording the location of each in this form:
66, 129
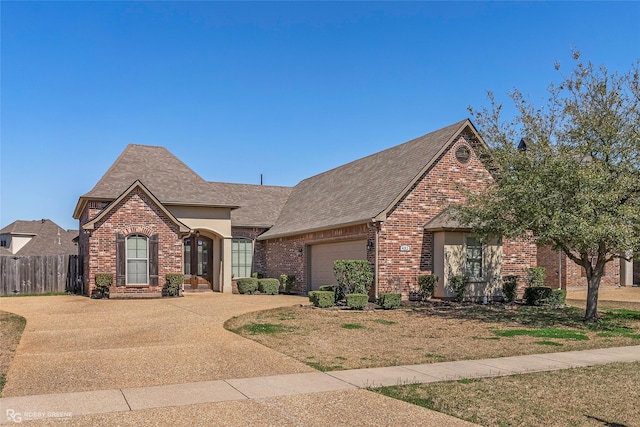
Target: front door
198, 262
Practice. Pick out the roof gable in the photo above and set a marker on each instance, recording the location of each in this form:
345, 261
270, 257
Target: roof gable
90, 225
364, 189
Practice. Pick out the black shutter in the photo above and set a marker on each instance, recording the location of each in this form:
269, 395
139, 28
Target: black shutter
121, 260
153, 260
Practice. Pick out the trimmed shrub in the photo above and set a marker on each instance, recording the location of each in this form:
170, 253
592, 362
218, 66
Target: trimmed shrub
536, 295
247, 285
337, 291
427, 283
268, 286
173, 283
353, 276
510, 287
322, 299
389, 301
535, 276
257, 275
357, 301
288, 282
557, 298
103, 282
458, 286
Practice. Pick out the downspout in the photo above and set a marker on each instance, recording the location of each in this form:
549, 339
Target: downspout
374, 224
560, 269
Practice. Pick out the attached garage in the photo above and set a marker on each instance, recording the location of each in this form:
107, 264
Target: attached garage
323, 256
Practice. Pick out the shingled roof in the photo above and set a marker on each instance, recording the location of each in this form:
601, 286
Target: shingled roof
166, 176
260, 205
47, 238
364, 189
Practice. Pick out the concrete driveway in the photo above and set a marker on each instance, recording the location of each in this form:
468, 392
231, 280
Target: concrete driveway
73, 343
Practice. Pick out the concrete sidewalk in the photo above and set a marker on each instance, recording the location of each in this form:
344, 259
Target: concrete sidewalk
243, 389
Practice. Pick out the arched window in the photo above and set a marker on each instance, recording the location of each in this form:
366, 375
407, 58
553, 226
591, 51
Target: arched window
241, 257
137, 259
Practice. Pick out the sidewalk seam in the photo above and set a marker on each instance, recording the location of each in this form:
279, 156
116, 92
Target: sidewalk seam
124, 396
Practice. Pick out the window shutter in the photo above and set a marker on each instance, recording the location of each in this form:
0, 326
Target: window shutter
121, 260
153, 260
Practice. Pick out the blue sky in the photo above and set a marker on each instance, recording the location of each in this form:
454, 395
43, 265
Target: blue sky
286, 89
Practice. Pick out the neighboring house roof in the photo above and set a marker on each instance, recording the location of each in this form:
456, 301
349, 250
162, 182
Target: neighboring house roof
47, 238
166, 176
260, 205
365, 189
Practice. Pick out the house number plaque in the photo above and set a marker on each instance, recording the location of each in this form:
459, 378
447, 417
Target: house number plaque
405, 248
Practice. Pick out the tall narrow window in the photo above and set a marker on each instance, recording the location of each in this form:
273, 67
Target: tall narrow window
137, 259
474, 258
241, 257
187, 256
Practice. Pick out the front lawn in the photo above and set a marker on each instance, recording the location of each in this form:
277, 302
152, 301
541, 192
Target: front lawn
11, 327
605, 395
436, 332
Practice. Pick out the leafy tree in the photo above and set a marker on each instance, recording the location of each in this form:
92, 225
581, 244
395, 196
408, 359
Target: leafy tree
566, 174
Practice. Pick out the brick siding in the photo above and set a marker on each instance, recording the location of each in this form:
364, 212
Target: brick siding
135, 214
282, 255
440, 186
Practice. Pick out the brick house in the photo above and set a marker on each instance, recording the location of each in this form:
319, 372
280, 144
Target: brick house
150, 215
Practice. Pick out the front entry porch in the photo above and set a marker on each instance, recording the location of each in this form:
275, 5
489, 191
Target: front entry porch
198, 263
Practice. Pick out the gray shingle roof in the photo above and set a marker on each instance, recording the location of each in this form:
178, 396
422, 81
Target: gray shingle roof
48, 238
363, 189
260, 205
166, 176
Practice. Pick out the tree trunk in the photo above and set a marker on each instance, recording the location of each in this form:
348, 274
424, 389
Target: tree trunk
593, 280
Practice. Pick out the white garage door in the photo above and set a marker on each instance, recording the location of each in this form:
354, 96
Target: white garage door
323, 256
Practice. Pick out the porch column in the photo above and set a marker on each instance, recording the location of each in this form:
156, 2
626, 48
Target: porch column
626, 272
225, 274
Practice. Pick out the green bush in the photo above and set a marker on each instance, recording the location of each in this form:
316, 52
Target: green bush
173, 283
557, 298
322, 299
288, 282
535, 276
103, 282
458, 286
427, 283
353, 276
337, 291
247, 285
257, 275
268, 286
357, 301
389, 301
536, 295
510, 287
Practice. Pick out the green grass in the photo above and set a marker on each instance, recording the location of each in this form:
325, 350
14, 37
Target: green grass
544, 333
352, 325
46, 294
385, 322
468, 380
324, 368
622, 313
264, 328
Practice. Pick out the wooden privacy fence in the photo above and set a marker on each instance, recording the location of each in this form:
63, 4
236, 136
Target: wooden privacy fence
38, 274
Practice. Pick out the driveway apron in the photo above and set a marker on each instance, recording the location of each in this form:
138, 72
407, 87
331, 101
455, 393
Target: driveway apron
73, 343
